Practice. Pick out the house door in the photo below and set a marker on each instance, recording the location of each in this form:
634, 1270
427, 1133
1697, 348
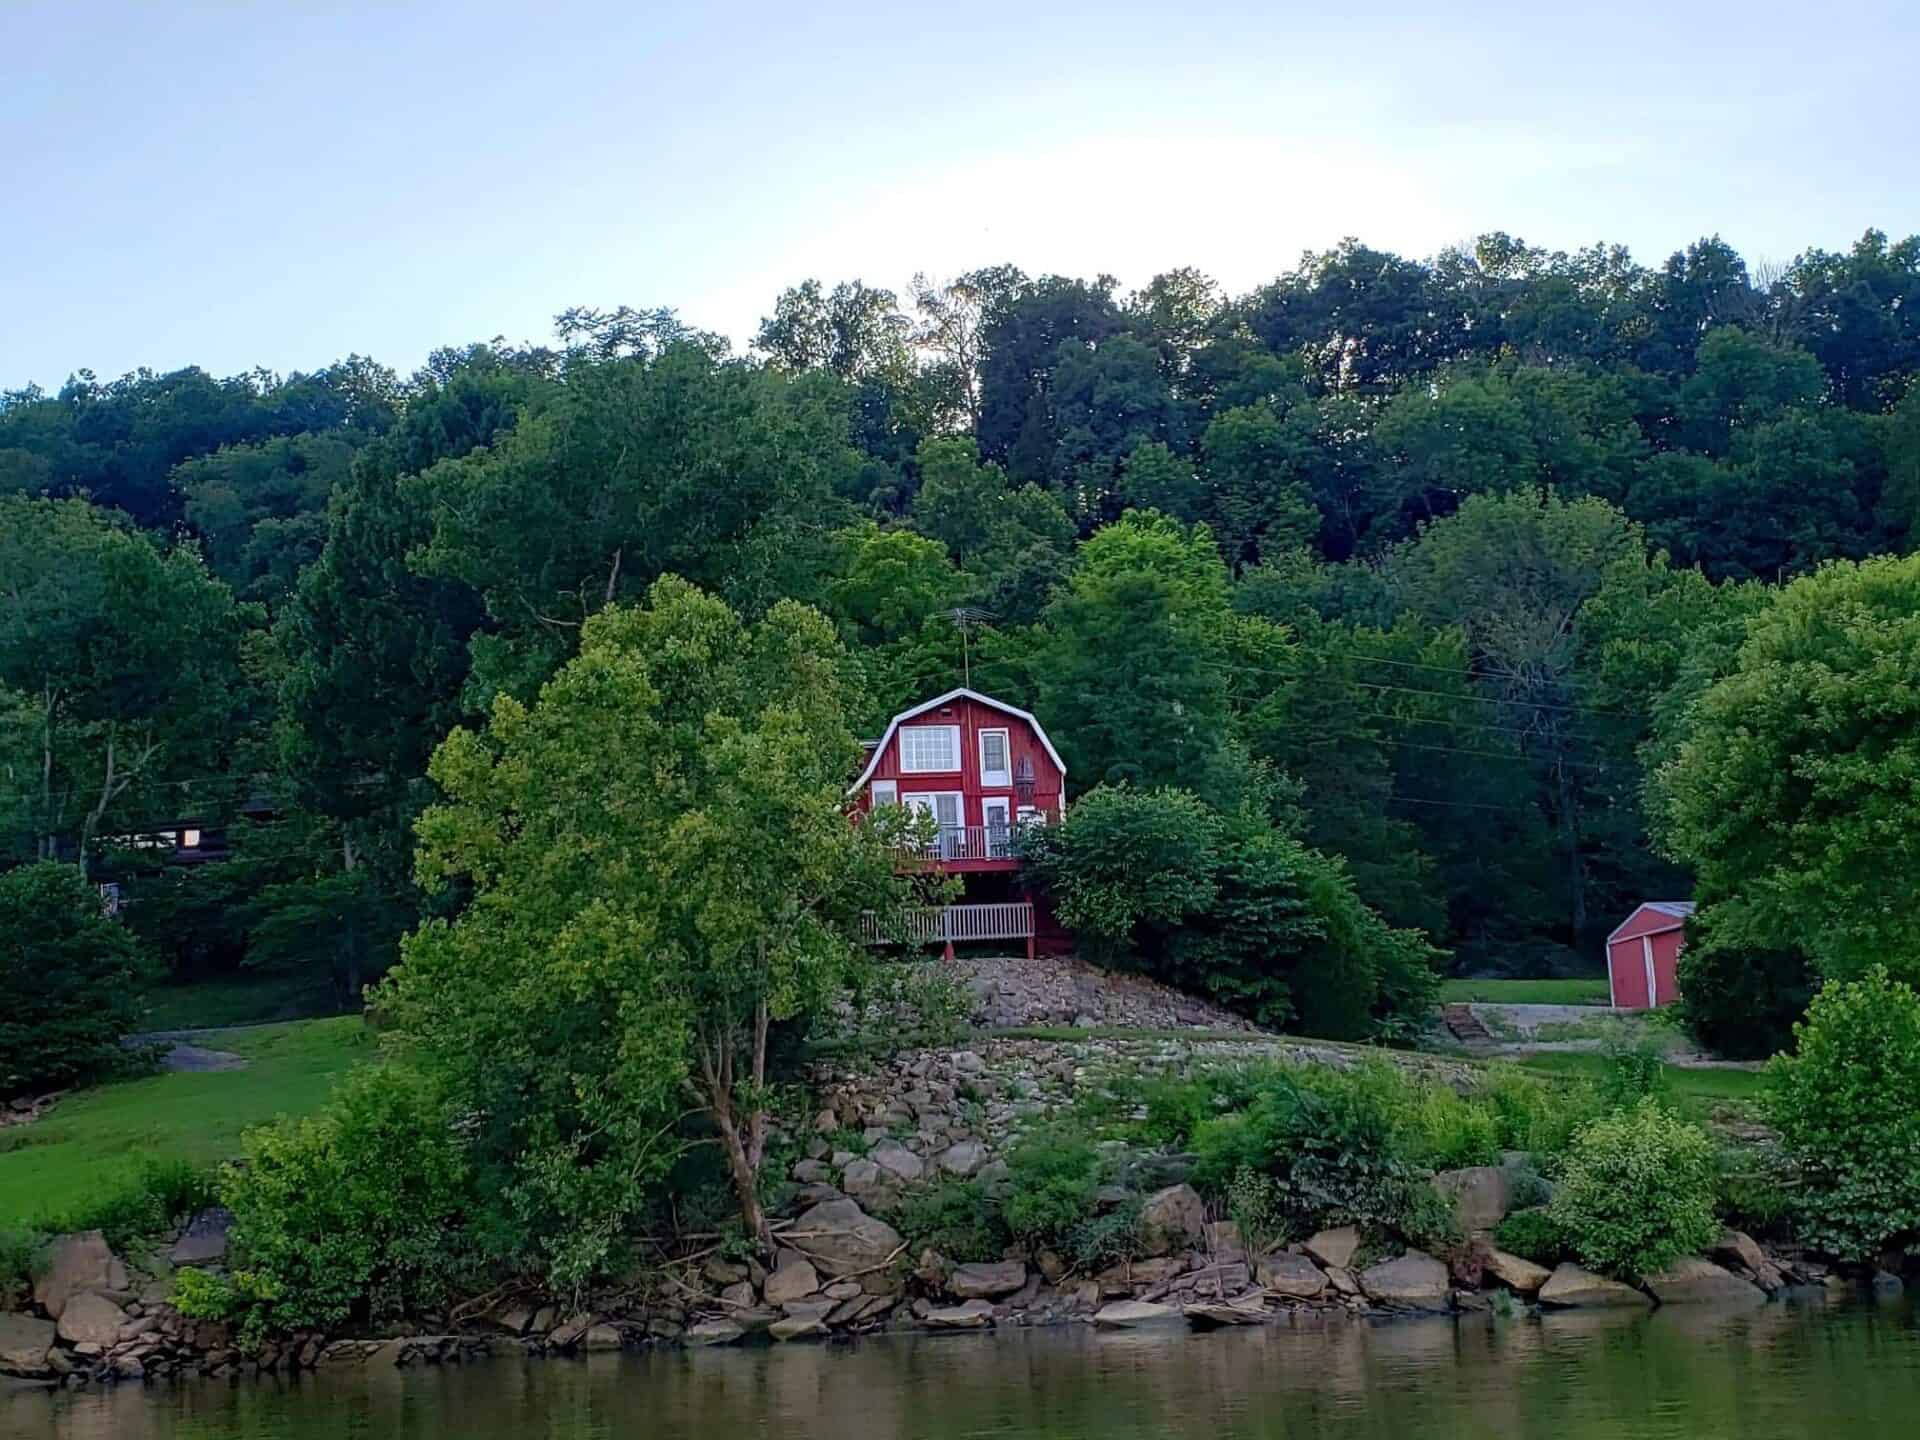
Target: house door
997, 812
944, 806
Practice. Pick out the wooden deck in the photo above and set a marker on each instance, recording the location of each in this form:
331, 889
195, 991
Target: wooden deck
951, 925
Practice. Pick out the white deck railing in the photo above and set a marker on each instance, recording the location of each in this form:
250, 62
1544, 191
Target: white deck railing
971, 842
959, 924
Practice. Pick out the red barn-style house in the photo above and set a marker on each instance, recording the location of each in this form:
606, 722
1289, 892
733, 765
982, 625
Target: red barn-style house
1643, 955
981, 768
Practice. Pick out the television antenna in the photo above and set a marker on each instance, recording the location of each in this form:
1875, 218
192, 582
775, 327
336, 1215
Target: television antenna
965, 619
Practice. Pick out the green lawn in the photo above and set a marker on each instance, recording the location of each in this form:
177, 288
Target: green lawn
93, 1142
1694, 1088
1525, 992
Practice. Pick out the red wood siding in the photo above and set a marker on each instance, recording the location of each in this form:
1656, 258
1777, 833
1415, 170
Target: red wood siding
1646, 919
1627, 965
972, 717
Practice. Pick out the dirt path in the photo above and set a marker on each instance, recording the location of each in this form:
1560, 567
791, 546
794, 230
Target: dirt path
183, 1052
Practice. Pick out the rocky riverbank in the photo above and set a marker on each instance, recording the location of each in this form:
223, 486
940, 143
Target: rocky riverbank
881, 1133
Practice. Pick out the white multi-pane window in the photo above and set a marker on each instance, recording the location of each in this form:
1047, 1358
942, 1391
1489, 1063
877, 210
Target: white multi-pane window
929, 749
996, 758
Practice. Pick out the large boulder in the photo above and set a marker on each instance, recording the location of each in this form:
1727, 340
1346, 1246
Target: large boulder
898, 1161
1481, 1196
1571, 1287
204, 1241
963, 1159
1131, 1314
1334, 1248
90, 1319
1292, 1275
792, 1281
974, 1315
864, 1180
842, 1239
76, 1264
987, 1282
1736, 1247
1172, 1219
24, 1343
1416, 1281
1516, 1273
1693, 1281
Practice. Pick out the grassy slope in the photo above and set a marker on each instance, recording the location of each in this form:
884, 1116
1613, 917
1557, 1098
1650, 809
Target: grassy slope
1525, 992
1693, 1087
89, 1143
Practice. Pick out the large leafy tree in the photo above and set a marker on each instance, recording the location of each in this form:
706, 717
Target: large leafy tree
1512, 571
724, 472
662, 871
1792, 790
119, 662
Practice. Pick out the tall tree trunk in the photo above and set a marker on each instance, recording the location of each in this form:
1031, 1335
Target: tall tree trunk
743, 1136
100, 809
1570, 829
349, 861
48, 844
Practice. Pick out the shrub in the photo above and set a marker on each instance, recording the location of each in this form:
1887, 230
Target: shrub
72, 978
1450, 1132
199, 1295
1634, 1068
1233, 908
1844, 1104
1256, 1206
358, 1209
1532, 1235
955, 1218
1637, 1191
1052, 1176
1105, 1239
1334, 1141
22, 1253
1740, 1001
160, 1194
1535, 1115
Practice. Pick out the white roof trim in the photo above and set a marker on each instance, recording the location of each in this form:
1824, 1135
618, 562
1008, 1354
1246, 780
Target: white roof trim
1675, 910
959, 692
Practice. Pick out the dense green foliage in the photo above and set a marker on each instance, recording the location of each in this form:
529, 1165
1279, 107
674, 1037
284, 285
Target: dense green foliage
1234, 907
1843, 1102
362, 1208
661, 873
1636, 1191
1434, 494
1363, 606
72, 978
1792, 793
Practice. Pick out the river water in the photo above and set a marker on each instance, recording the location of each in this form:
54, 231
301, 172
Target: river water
1778, 1372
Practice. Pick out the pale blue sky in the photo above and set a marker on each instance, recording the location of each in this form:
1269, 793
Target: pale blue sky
279, 184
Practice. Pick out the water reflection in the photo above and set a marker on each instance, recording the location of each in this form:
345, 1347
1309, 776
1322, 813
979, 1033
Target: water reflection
1775, 1373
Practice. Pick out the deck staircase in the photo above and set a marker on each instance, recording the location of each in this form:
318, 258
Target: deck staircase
1465, 1025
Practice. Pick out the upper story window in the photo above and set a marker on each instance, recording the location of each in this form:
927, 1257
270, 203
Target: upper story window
996, 758
929, 749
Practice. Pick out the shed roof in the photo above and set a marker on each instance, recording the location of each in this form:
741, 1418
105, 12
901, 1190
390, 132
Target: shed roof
1676, 910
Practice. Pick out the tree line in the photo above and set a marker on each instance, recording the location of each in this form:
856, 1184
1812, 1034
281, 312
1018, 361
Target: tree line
1434, 568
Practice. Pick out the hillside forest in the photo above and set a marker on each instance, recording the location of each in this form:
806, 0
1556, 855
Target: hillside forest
1492, 590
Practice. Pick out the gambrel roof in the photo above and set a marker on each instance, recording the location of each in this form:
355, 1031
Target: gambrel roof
959, 692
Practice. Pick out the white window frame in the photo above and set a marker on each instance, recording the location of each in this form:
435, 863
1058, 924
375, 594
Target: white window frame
907, 765
997, 777
886, 792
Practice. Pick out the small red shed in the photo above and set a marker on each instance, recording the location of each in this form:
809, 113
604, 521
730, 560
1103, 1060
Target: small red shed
1643, 955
